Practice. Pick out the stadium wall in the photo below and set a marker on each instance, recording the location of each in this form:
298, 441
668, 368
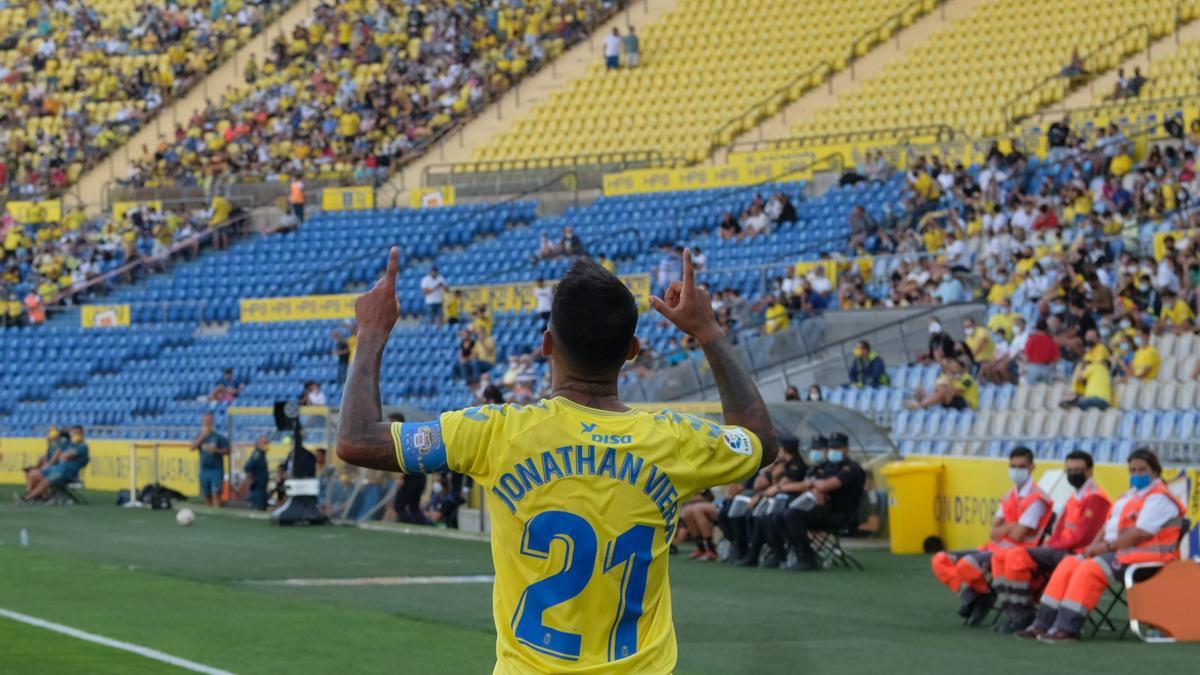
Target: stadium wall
108, 468
971, 489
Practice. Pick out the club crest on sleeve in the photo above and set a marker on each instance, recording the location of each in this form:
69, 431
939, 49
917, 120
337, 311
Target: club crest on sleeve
738, 441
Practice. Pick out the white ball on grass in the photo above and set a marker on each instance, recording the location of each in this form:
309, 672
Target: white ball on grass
185, 517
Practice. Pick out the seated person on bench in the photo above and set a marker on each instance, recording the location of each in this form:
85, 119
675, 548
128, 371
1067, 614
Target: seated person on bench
55, 443
830, 506
66, 469
1145, 526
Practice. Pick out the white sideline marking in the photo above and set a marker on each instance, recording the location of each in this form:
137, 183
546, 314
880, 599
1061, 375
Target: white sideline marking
378, 581
115, 644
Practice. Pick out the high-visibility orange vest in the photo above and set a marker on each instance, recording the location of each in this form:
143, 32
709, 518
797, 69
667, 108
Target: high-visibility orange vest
297, 196
1014, 505
1163, 546
1073, 513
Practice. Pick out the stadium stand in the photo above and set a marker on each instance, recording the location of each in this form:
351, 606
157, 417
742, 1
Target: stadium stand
355, 94
82, 77
680, 95
946, 80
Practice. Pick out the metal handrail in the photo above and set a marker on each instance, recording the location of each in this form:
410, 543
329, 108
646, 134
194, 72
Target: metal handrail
903, 134
129, 267
654, 157
1137, 28
1097, 108
894, 17
756, 107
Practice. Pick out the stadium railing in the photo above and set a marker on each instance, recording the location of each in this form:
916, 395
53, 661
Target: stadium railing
492, 178
1034, 97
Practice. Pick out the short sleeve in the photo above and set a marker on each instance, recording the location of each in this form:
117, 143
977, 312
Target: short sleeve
1155, 513
1032, 516
457, 440
718, 455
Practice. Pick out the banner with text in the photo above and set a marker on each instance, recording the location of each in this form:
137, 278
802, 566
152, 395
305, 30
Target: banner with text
644, 181
49, 211
347, 198
103, 316
519, 297
971, 490
297, 308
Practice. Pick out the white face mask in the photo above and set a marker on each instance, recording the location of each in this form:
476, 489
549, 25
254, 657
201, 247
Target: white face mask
1018, 476
935, 328
436, 488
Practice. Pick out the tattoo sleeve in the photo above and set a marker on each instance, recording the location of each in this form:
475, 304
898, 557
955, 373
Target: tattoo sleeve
364, 439
740, 401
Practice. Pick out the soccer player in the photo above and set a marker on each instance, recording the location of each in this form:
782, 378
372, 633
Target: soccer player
584, 492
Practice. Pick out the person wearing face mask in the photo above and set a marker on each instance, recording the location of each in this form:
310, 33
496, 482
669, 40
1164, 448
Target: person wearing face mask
1146, 359
755, 519
1019, 522
830, 505
55, 443
70, 460
1015, 570
1144, 526
1176, 316
867, 369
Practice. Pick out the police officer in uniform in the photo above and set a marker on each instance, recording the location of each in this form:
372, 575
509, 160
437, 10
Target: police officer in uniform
829, 503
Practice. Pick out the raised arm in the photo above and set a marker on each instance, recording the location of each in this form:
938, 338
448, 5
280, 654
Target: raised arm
364, 439
689, 308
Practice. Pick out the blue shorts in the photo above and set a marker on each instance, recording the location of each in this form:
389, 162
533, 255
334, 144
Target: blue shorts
57, 475
258, 499
434, 310
210, 482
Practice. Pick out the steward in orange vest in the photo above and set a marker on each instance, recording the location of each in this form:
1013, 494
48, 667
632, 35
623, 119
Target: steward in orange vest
1145, 526
1019, 523
1016, 570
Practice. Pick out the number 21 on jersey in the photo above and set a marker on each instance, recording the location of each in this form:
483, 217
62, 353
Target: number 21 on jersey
627, 555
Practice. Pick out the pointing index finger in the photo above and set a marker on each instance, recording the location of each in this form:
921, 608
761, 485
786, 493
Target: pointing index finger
689, 277
393, 267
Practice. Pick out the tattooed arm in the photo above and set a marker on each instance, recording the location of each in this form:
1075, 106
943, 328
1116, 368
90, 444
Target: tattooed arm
688, 307
741, 403
364, 439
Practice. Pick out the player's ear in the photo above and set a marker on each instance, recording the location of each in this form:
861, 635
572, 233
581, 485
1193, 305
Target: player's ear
547, 343
635, 346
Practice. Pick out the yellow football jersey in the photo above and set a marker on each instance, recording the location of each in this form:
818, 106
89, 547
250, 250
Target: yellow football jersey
583, 504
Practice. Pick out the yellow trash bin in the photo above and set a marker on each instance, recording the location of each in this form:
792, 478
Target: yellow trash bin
912, 494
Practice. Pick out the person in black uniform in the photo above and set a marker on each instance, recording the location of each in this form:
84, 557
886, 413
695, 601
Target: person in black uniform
830, 506
758, 527
407, 502
258, 473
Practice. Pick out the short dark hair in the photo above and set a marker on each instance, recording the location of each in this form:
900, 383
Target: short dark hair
1081, 455
1021, 451
593, 318
1146, 455
396, 417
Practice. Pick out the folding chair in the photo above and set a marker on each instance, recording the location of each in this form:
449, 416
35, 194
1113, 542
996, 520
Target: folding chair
1116, 591
68, 493
998, 609
828, 547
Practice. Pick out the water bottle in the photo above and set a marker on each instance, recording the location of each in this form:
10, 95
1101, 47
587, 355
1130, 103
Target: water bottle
24, 537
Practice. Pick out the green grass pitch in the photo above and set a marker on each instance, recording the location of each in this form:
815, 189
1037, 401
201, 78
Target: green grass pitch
136, 576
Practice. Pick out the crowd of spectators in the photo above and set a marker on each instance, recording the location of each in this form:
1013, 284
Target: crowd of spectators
82, 77
1073, 291
43, 263
355, 92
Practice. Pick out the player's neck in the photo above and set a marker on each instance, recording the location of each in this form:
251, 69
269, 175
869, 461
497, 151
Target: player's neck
590, 394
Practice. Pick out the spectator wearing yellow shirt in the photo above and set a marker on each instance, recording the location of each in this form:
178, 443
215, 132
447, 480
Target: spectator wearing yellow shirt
453, 307
979, 341
481, 324
1001, 322
1146, 359
954, 389
607, 263
1093, 385
776, 316
1176, 316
